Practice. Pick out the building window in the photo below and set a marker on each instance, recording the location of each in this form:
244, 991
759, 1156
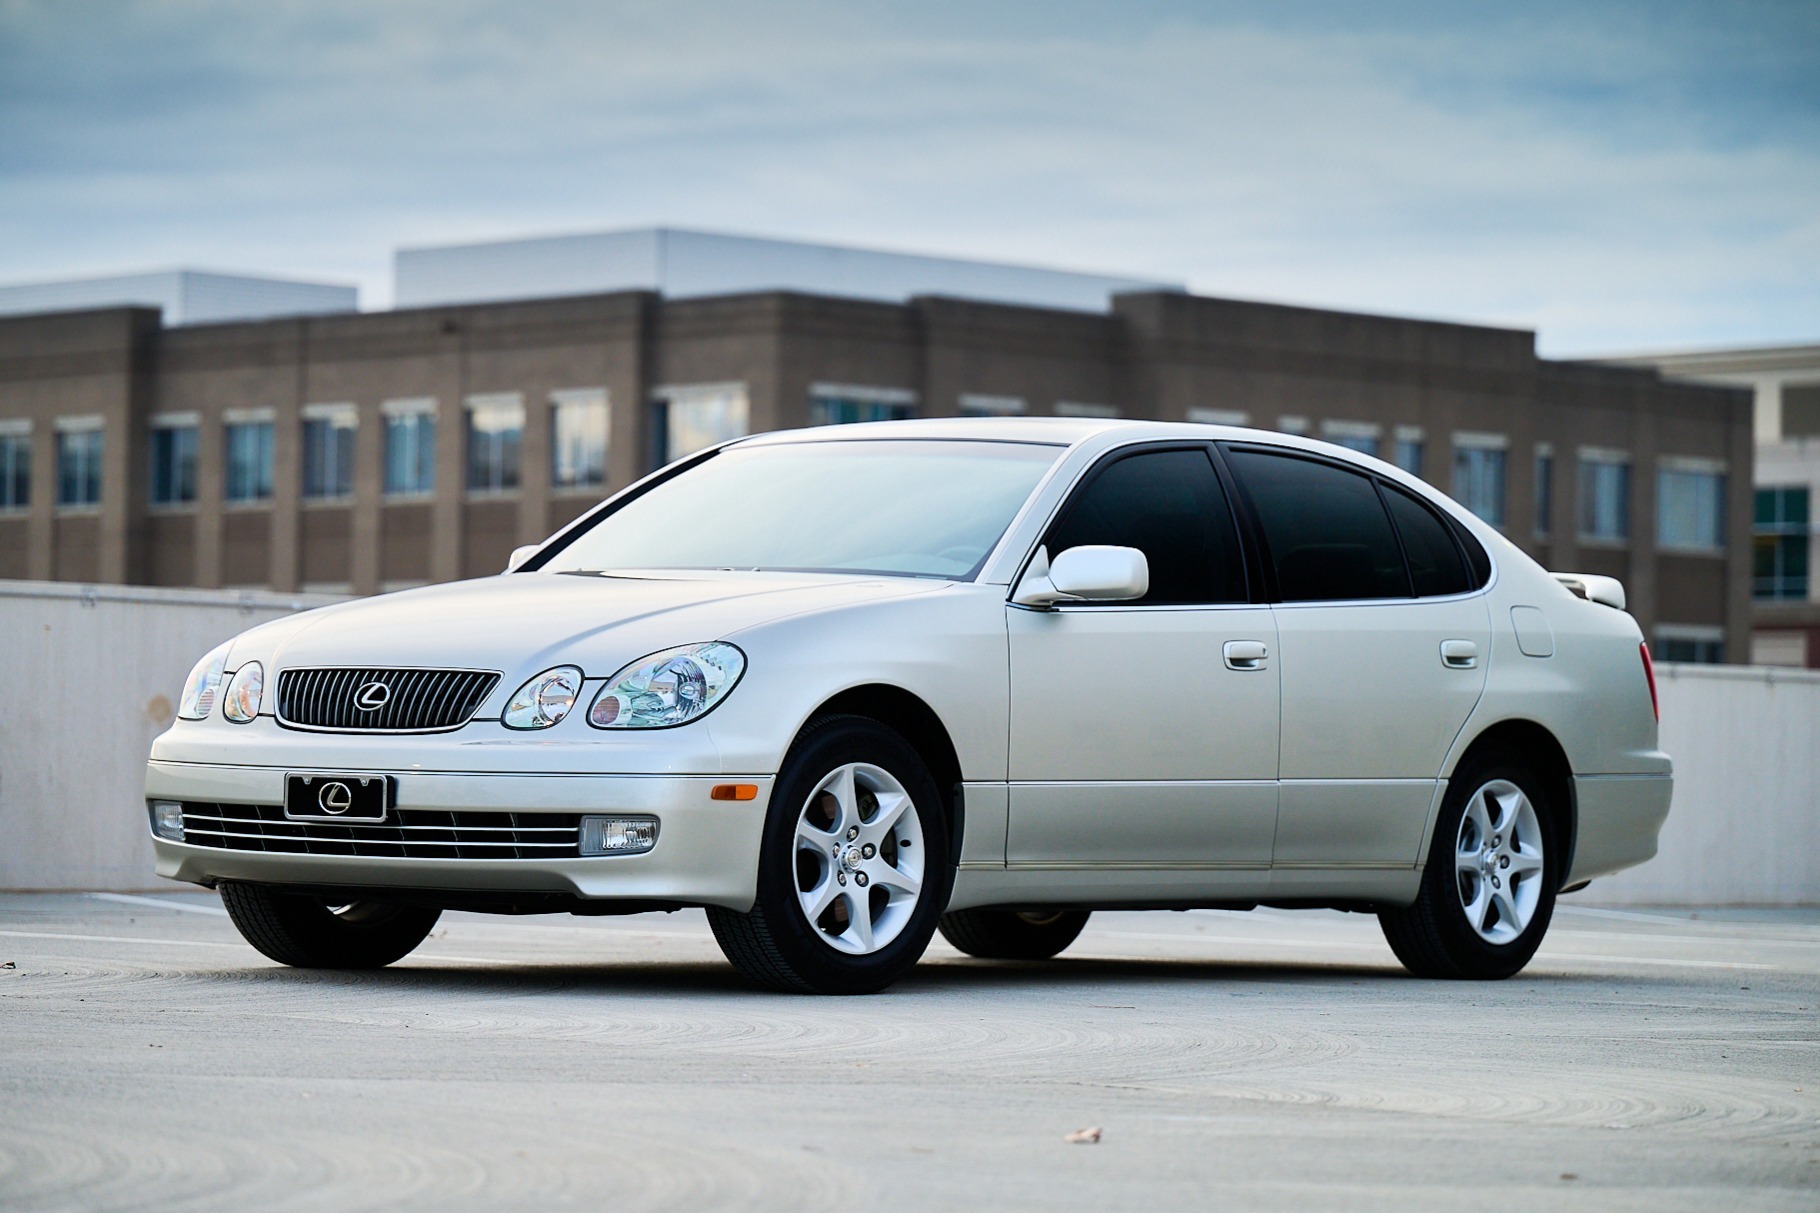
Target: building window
1082, 408
1290, 424
15, 465
1779, 546
1604, 496
1800, 410
578, 438
1207, 416
249, 460
1406, 452
844, 404
973, 404
1478, 475
1700, 645
1690, 507
690, 418
1545, 490
410, 447
328, 449
496, 424
79, 466
1354, 436
173, 460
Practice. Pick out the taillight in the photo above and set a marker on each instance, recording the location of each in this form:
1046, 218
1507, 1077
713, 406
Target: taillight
1649, 672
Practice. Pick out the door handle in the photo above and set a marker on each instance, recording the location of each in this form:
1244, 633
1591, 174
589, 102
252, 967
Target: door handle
1246, 654
1459, 654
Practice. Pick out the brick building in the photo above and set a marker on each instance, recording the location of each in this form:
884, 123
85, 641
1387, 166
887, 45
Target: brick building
368, 451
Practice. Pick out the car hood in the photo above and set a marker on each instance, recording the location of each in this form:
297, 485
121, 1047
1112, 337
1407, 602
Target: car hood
524, 622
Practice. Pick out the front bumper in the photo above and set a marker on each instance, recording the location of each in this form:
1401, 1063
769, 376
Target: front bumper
706, 852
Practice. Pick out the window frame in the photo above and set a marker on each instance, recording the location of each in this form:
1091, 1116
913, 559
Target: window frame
1248, 554
266, 460
15, 435
67, 433
173, 425
1464, 542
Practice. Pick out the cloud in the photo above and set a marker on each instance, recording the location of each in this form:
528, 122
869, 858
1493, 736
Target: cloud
1621, 178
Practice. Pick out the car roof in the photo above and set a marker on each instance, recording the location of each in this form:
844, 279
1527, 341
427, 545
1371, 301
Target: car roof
1060, 431
1095, 435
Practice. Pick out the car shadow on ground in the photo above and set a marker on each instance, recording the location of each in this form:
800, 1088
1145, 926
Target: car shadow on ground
938, 977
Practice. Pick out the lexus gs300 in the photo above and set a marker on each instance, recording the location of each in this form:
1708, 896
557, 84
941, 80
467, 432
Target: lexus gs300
847, 687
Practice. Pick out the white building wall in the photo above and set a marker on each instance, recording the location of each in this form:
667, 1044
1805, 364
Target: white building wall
1745, 825
686, 264
89, 677
184, 296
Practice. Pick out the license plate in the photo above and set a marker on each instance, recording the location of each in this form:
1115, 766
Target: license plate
339, 797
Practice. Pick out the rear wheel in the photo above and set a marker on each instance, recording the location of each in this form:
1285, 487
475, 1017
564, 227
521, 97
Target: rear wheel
1013, 934
310, 933
1488, 892
853, 870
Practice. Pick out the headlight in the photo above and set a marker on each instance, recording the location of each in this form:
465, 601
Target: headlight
544, 700
244, 690
199, 691
672, 687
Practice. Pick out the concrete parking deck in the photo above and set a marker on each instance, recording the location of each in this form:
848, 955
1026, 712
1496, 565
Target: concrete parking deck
150, 1060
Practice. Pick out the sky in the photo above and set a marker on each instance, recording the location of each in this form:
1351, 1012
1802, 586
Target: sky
1621, 176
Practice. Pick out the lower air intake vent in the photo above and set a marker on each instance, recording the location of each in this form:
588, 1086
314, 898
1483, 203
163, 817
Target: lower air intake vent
405, 834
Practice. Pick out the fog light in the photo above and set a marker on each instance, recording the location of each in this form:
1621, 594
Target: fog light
617, 835
167, 820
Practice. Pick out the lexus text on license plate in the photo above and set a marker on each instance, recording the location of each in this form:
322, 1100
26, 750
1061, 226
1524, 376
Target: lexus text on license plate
339, 797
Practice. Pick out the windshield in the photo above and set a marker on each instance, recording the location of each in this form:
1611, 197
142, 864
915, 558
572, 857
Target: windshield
914, 508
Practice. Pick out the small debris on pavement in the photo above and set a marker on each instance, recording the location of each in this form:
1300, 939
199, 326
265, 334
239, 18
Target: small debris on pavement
9, 965
1084, 1137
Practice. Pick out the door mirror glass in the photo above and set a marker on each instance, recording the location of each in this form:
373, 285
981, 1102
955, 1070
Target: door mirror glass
1092, 573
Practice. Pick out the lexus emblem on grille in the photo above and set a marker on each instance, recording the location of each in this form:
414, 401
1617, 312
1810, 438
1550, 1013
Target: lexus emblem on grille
372, 696
335, 797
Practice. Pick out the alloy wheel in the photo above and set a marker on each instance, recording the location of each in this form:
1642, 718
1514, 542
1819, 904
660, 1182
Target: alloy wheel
1498, 861
859, 858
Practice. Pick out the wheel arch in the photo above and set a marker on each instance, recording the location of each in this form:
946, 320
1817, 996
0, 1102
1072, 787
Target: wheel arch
1536, 744
906, 714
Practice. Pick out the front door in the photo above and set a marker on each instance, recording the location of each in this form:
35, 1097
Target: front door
1144, 734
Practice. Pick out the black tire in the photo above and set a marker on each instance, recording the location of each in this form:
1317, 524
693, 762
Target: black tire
774, 944
1013, 934
1434, 937
308, 933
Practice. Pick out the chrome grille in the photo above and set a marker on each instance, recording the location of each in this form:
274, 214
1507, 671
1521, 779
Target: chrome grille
415, 701
405, 834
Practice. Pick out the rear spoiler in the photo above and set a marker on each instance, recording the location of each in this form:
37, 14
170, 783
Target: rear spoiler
1608, 591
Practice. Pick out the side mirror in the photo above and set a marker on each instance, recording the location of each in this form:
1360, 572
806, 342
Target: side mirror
1092, 573
520, 555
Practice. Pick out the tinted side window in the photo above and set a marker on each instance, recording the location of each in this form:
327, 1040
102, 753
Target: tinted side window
1328, 535
1435, 566
1169, 506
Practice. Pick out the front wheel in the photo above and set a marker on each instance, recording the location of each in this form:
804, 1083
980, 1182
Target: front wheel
310, 933
1488, 892
853, 869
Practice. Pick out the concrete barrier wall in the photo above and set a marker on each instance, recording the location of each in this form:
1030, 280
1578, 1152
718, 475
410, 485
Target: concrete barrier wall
89, 675
1745, 826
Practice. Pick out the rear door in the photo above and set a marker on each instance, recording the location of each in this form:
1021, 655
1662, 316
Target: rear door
1383, 647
